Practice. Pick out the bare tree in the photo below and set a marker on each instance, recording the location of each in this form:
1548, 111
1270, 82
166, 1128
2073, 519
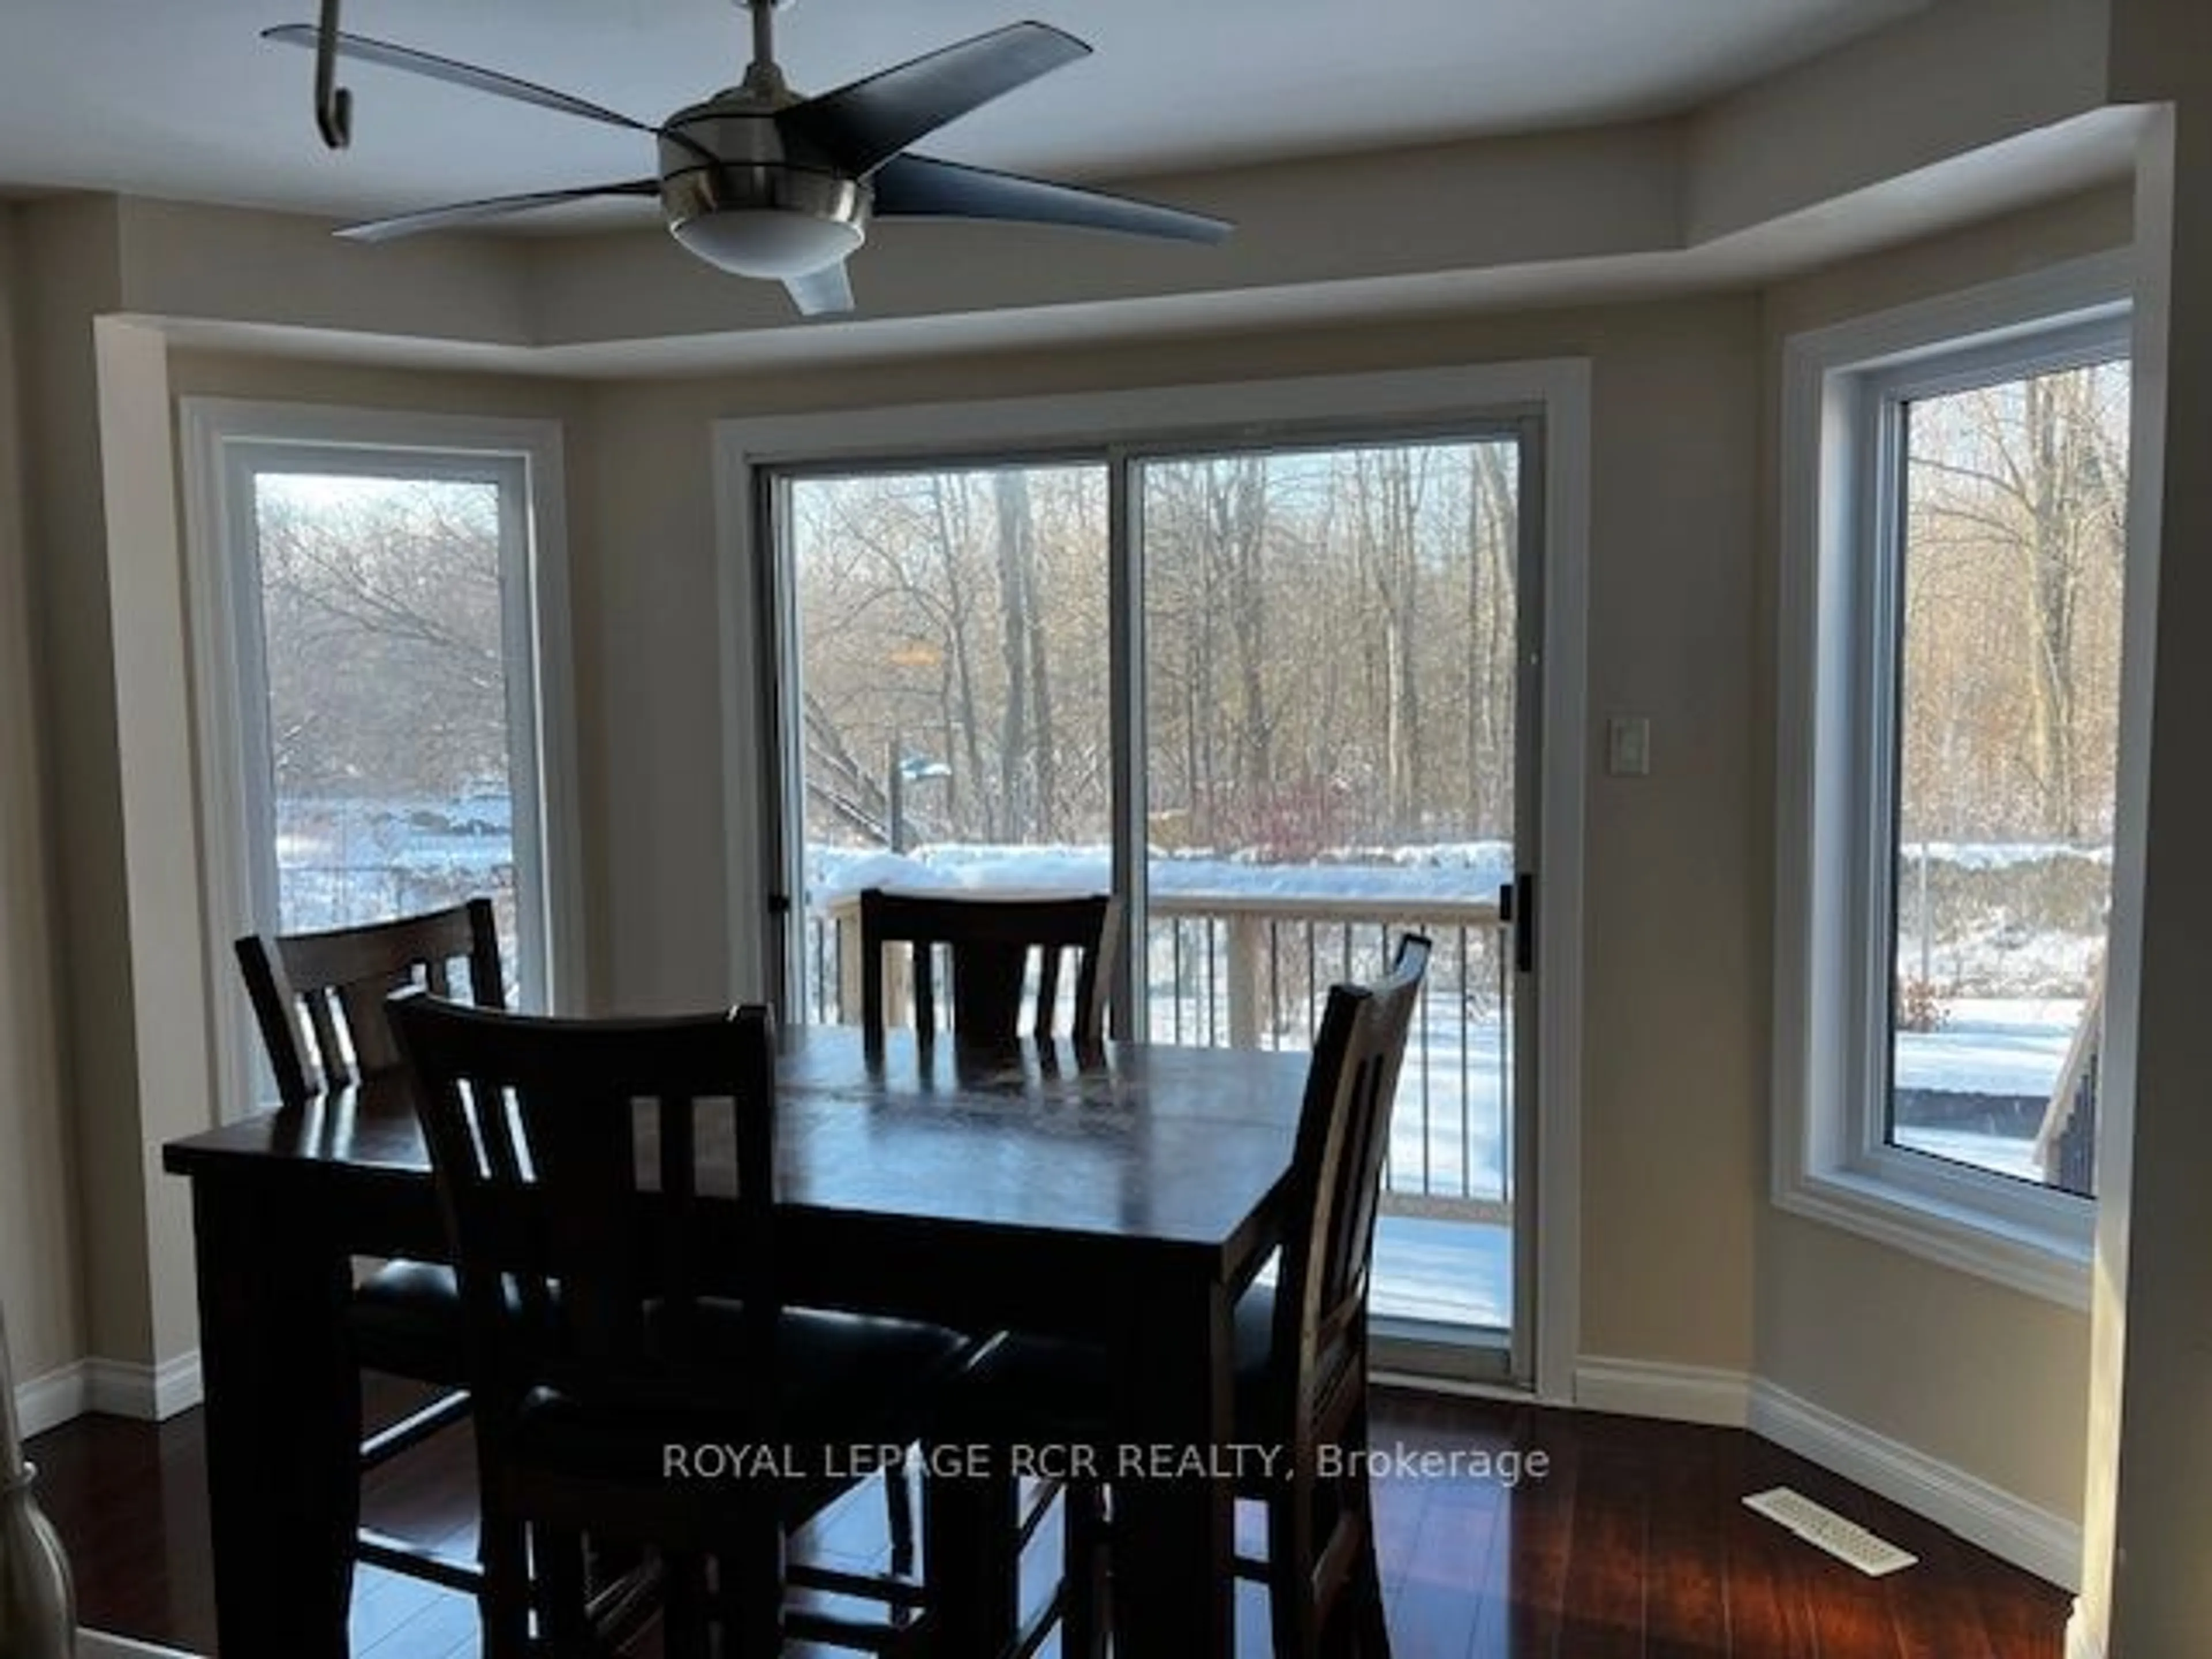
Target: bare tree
2013, 584
1388, 487
381, 627
1028, 786
1329, 644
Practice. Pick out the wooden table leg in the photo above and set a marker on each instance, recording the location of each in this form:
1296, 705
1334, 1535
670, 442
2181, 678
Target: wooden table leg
971, 1516
283, 1415
1175, 1530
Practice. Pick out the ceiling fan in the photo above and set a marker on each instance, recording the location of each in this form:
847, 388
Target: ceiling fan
763, 182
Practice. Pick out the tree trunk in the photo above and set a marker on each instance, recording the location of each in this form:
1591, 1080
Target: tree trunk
951, 525
1011, 492
2051, 589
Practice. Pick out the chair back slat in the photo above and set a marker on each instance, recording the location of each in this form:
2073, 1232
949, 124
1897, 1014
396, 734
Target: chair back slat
1047, 982
361, 1002
331, 1051
925, 985
1344, 1134
318, 998
995, 947
567, 1161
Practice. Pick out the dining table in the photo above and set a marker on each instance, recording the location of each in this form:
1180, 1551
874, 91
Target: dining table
1122, 1194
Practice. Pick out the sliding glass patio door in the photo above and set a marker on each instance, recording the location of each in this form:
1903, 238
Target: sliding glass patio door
1277, 697
1332, 678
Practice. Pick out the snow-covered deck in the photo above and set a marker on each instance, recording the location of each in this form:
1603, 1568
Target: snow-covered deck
1989, 1050
1444, 1272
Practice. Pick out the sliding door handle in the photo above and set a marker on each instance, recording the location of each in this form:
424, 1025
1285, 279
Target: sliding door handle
1517, 905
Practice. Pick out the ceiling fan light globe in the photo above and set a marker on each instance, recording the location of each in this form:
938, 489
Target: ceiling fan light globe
772, 243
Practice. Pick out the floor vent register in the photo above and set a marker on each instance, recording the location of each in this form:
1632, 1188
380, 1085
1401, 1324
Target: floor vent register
1824, 1529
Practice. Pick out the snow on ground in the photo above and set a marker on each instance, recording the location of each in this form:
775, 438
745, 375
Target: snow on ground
1991, 1045
2011, 1155
1999, 855
2002, 956
1450, 1132
1454, 873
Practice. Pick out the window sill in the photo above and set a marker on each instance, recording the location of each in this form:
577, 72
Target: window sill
2048, 1263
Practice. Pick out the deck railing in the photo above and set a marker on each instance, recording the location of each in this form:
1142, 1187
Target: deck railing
1252, 971
2066, 1143
1234, 969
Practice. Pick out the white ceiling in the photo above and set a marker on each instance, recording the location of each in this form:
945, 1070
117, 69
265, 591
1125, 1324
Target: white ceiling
178, 97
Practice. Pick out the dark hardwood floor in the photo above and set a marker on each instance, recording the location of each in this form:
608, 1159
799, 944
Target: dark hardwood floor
1635, 1541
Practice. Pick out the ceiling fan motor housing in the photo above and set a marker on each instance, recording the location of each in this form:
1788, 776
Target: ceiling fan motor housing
740, 194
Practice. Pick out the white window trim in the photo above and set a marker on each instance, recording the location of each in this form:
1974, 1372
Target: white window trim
215, 433
1831, 1158
1560, 387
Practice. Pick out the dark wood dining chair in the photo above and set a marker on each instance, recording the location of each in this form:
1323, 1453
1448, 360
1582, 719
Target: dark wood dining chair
1306, 1387
319, 1000
1301, 1357
589, 1173
1006, 959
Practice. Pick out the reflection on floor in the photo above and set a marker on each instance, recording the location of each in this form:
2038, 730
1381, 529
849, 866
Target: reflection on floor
1634, 1540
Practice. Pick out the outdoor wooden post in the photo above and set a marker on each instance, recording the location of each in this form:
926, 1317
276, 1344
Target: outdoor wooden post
1247, 938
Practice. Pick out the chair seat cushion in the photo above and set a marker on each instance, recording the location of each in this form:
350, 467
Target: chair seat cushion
406, 1321
1256, 1351
1028, 1387
844, 1385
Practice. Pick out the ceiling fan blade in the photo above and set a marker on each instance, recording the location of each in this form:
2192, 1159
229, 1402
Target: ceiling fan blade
495, 207
824, 293
917, 188
862, 125
452, 69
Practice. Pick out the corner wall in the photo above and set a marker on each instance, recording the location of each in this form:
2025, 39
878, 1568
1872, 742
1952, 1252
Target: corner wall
1983, 1378
68, 250
42, 1282
2146, 1591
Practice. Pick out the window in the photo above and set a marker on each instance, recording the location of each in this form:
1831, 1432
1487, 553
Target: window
1955, 497
2011, 542
375, 596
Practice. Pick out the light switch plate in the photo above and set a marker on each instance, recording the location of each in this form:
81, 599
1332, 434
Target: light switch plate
1628, 746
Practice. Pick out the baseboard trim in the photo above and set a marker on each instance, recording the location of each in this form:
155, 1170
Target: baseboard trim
2082, 1642
1677, 1393
47, 1402
112, 1387
148, 1393
2007, 1526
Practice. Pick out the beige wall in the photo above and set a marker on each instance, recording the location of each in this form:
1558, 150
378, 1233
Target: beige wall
41, 1283
2149, 1528
1981, 1376
1671, 1071
70, 258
